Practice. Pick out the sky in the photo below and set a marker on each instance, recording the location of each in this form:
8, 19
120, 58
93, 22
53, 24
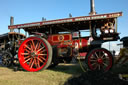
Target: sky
25, 11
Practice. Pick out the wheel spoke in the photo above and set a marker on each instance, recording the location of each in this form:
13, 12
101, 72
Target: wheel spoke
32, 64
36, 45
42, 54
96, 55
39, 45
38, 62
93, 60
27, 50
93, 57
24, 53
106, 58
27, 57
35, 62
105, 64
40, 49
27, 47
102, 56
27, 60
40, 59
33, 45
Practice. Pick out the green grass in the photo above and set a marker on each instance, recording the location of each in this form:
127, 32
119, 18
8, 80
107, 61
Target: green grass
55, 76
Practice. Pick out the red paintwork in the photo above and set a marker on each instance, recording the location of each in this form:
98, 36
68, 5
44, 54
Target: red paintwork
23, 48
99, 60
60, 39
67, 20
81, 43
84, 42
66, 41
83, 54
67, 46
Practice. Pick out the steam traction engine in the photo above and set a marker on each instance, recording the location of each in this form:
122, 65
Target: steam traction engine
54, 41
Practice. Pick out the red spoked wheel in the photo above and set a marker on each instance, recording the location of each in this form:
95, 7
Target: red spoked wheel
35, 54
100, 59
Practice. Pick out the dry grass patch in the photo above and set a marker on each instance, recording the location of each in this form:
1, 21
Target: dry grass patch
55, 76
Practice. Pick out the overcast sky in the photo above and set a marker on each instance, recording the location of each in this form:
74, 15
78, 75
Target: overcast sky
25, 11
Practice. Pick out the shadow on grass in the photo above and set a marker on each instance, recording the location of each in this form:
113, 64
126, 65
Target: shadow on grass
98, 78
68, 68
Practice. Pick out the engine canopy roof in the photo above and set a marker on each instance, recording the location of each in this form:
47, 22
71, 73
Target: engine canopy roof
67, 24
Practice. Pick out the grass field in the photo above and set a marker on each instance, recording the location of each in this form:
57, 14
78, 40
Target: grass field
55, 76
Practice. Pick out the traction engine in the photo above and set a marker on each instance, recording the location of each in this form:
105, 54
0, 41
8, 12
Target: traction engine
56, 41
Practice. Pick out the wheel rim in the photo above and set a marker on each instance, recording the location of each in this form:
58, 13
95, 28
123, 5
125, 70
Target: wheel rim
33, 54
100, 59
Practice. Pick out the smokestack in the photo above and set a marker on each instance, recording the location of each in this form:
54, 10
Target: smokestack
11, 20
92, 11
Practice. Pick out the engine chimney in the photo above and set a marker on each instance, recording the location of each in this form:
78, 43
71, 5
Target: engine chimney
92, 11
11, 20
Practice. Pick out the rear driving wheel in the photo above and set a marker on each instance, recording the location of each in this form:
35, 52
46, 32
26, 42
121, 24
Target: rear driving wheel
35, 54
100, 59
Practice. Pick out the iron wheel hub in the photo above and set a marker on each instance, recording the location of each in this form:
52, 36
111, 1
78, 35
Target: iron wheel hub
33, 54
100, 61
